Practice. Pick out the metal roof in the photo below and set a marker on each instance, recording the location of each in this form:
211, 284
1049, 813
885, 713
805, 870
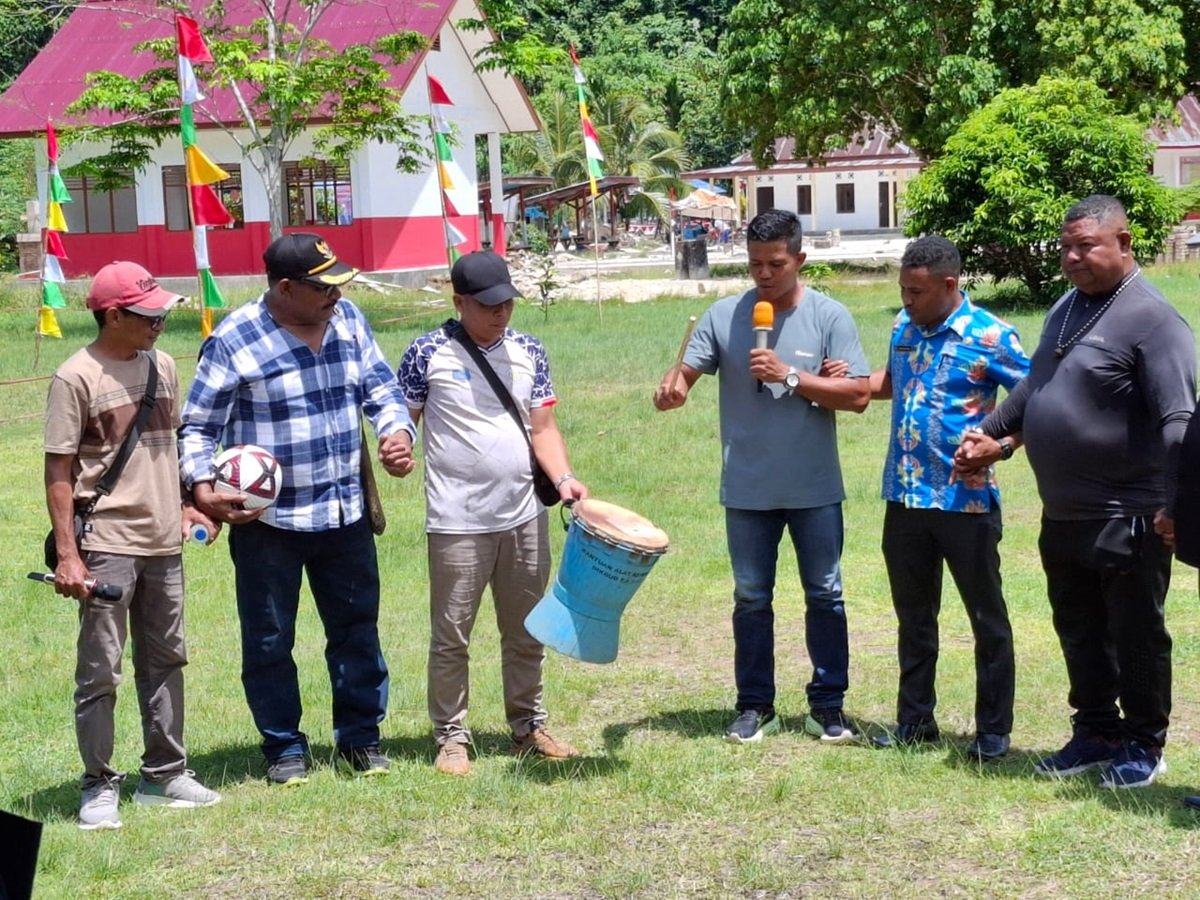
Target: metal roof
1183, 133
100, 34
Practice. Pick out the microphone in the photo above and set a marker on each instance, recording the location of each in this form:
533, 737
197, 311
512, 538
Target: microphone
764, 321
100, 590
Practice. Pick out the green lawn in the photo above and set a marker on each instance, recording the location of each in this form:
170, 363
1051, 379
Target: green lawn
660, 805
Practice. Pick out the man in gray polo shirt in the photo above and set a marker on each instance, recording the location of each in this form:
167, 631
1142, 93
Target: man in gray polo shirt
780, 467
1103, 412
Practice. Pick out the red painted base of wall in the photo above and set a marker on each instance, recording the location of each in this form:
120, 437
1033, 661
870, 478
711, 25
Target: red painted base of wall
373, 245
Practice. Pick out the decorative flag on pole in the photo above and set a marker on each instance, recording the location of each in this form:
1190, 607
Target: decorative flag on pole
591, 140
52, 248
451, 179
204, 205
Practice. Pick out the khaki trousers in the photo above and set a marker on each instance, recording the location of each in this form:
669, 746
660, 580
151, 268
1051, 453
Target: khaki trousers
516, 564
151, 607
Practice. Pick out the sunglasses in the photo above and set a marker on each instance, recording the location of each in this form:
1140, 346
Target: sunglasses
326, 289
151, 321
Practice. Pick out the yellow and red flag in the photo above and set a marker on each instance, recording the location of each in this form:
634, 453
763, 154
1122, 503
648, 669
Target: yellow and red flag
204, 205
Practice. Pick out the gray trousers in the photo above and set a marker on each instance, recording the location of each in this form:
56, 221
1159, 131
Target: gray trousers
151, 607
516, 564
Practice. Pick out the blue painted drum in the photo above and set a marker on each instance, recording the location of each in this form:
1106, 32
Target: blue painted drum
608, 553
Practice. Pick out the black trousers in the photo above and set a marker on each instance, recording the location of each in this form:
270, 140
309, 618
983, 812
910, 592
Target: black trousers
916, 542
1110, 619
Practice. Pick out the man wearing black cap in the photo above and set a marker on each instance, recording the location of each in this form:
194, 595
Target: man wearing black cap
292, 372
485, 525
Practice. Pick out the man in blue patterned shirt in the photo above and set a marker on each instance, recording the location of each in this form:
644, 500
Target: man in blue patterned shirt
947, 360
292, 372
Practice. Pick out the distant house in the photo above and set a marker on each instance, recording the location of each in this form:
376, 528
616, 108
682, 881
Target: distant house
853, 189
374, 216
1177, 152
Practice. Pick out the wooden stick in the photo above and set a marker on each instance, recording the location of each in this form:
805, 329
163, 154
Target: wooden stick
687, 336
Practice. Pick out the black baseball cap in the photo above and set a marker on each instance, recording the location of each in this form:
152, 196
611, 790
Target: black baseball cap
305, 257
484, 276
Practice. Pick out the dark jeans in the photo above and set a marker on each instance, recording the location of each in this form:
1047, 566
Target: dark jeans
915, 544
753, 537
344, 578
1110, 619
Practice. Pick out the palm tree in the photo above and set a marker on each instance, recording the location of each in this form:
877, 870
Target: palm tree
633, 138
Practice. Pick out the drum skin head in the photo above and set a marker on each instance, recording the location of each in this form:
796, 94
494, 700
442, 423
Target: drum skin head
620, 525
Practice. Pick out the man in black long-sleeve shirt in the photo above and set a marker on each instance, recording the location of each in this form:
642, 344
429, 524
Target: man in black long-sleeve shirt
1102, 413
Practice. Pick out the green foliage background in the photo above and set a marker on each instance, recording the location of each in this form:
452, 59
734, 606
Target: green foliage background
1007, 177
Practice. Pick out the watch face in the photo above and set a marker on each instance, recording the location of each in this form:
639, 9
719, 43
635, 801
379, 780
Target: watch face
792, 381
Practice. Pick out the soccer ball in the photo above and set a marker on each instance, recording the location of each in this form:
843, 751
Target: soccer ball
252, 471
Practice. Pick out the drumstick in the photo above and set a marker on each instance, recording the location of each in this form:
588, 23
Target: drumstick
687, 336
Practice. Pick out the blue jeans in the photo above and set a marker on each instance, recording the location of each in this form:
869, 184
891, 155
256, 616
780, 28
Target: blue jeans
343, 575
753, 537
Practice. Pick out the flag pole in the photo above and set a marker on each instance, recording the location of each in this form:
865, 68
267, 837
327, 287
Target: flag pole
596, 247
437, 166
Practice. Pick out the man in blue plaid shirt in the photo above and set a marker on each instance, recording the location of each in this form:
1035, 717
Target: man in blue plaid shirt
292, 372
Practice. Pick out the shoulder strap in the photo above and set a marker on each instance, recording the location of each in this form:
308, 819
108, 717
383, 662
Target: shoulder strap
459, 334
109, 479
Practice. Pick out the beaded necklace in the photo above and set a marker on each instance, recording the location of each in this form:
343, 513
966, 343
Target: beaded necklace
1063, 345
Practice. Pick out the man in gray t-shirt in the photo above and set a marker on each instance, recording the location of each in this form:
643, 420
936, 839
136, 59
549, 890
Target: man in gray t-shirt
1103, 411
779, 465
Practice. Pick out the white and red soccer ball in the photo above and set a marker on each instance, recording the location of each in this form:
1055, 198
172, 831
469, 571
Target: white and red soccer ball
250, 470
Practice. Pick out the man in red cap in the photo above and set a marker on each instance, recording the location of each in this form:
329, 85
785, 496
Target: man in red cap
131, 539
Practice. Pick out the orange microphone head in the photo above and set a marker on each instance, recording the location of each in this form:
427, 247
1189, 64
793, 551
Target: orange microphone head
764, 315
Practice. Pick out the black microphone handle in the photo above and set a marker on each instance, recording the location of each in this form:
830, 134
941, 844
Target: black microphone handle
102, 590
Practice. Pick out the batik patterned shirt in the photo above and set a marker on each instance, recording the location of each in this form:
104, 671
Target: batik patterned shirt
944, 383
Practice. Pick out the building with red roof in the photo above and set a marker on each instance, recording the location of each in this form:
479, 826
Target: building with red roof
378, 218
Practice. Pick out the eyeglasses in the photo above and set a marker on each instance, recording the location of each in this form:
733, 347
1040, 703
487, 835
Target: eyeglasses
151, 321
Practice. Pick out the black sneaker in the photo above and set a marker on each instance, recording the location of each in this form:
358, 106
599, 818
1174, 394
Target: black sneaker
908, 734
987, 746
364, 760
830, 725
287, 770
750, 726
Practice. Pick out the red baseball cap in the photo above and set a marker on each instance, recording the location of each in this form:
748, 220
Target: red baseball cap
126, 285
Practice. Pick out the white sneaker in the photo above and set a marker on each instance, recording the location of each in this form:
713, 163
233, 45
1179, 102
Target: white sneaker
181, 792
98, 807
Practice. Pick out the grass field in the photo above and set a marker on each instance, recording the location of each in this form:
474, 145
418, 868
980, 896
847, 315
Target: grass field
659, 806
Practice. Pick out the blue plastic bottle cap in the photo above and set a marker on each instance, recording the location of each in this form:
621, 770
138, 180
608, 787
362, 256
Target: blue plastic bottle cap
199, 534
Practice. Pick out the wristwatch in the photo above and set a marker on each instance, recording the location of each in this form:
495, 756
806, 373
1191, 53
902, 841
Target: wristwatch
1006, 448
791, 380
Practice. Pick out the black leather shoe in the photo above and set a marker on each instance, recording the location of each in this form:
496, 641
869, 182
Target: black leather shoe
1192, 801
988, 746
909, 733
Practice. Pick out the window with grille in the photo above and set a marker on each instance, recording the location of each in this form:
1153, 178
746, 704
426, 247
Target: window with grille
318, 194
92, 211
175, 196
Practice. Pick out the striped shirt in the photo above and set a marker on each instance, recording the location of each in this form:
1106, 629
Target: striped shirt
256, 383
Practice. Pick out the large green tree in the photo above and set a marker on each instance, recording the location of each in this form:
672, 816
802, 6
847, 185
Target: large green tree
282, 77
1007, 177
821, 71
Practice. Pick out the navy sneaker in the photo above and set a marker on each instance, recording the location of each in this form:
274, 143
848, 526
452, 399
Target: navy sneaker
363, 761
750, 726
1135, 765
1080, 753
830, 725
287, 770
988, 746
1192, 801
908, 734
